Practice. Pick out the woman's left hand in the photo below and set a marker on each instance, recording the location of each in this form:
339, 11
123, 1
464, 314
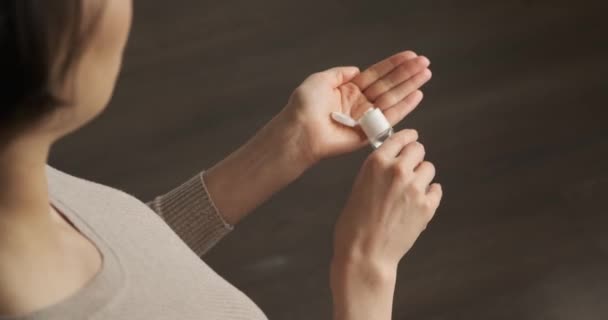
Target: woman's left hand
391, 85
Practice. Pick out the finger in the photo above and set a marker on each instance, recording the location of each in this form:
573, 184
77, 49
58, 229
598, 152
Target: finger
339, 75
399, 75
393, 145
412, 155
425, 173
434, 195
400, 92
378, 70
399, 111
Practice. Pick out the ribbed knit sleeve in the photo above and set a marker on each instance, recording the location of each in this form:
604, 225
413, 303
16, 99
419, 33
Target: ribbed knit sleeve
191, 213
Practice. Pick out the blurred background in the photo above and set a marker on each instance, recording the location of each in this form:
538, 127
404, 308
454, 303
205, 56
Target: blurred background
515, 120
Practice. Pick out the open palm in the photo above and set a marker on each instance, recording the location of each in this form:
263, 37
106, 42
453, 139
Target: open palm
391, 85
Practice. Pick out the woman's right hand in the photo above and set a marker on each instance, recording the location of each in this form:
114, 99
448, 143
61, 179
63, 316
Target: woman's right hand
391, 203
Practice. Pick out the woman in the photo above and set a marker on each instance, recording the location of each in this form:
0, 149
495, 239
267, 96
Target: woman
73, 249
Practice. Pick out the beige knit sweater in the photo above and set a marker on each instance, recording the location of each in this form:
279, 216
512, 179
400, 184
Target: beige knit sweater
152, 268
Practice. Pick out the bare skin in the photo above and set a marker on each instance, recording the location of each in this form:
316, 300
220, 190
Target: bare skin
52, 260
379, 225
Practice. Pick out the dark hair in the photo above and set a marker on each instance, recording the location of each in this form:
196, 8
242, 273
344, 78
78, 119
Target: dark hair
40, 40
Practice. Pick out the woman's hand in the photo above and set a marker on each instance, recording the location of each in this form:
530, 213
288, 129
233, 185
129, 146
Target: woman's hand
391, 203
391, 85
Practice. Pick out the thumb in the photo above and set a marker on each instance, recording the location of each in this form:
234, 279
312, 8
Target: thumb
340, 75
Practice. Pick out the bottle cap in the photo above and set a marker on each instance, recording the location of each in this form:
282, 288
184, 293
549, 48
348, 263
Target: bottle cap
344, 119
373, 123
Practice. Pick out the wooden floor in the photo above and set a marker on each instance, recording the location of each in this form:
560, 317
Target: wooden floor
515, 119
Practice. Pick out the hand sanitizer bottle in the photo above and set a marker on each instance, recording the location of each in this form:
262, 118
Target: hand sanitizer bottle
376, 127
373, 123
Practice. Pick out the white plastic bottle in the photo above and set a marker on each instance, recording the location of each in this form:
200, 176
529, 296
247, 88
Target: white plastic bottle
376, 127
373, 123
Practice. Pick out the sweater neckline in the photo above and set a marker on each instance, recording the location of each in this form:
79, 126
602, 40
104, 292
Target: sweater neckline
99, 291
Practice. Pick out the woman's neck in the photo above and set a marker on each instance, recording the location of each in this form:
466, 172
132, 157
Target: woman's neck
24, 199
39, 245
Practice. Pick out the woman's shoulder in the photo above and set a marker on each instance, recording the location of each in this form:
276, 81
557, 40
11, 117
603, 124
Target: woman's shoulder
64, 185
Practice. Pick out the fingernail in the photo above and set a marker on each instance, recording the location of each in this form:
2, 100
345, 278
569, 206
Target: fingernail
424, 60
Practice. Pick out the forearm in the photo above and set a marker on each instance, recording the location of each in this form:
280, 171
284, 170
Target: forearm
361, 290
268, 162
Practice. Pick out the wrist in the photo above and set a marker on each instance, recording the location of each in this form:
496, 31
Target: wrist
287, 132
362, 289
366, 272
269, 161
